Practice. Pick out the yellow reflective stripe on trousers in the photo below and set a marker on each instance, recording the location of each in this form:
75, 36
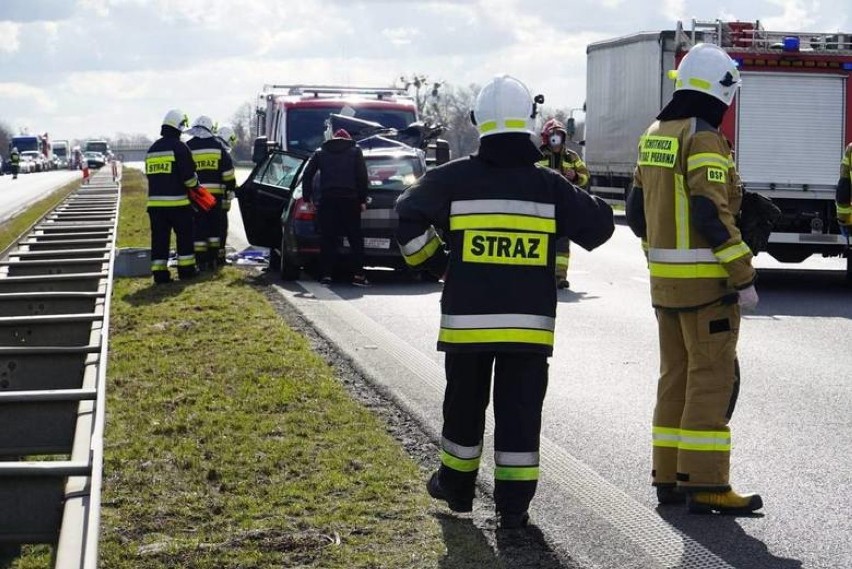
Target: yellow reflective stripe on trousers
665, 437
563, 260
685, 439
185, 260
502, 221
732, 253
168, 203
703, 159
159, 265
516, 473
496, 335
681, 214
843, 209
460, 464
688, 271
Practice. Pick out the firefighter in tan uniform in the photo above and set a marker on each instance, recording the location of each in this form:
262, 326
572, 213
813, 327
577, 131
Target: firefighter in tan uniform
843, 197
685, 195
559, 157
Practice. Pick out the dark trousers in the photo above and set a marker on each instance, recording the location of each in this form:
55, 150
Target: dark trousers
163, 221
520, 382
223, 233
206, 231
340, 217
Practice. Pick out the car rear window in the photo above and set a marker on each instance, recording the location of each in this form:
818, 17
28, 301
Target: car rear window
393, 173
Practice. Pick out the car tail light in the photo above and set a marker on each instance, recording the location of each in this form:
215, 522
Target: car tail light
305, 211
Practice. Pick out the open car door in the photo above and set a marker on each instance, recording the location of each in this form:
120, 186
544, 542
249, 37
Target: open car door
265, 194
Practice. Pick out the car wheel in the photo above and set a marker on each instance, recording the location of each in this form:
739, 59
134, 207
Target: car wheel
289, 270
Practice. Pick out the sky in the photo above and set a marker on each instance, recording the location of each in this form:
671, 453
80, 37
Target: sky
90, 68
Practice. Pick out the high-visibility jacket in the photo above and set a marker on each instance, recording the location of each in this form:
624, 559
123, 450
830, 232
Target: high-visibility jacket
564, 161
214, 166
15, 158
844, 189
500, 215
171, 172
685, 196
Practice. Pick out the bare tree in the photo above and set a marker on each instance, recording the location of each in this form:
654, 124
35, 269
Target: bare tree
243, 125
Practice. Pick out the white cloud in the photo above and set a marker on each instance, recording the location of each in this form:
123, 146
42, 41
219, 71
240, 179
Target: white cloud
674, 9
400, 36
27, 94
795, 15
10, 32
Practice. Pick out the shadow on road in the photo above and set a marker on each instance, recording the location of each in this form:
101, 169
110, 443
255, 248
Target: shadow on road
724, 536
785, 292
469, 547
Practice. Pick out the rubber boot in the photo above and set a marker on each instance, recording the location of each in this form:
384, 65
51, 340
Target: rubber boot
728, 502
507, 520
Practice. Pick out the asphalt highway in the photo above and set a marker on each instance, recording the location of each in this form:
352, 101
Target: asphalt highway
792, 429
15, 195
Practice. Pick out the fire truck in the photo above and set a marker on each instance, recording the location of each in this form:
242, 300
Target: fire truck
295, 117
788, 125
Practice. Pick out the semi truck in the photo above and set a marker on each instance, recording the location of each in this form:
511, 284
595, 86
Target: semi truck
61, 153
788, 125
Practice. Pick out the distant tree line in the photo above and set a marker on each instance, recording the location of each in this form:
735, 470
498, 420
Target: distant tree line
437, 103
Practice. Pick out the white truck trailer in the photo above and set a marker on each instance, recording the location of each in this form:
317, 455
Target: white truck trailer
788, 125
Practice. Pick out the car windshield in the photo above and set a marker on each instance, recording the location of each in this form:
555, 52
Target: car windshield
305, 127
393, 173
100, 147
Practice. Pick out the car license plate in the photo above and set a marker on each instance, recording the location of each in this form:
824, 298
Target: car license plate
372, 242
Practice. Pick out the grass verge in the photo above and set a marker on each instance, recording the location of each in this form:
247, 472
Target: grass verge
229, 442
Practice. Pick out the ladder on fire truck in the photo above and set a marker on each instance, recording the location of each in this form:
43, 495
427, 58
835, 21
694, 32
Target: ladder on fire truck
750, 36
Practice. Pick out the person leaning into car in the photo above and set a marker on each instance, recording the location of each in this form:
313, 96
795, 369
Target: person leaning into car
343, 184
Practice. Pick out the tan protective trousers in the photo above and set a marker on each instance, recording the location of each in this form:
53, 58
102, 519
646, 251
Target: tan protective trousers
696, 394
563, 258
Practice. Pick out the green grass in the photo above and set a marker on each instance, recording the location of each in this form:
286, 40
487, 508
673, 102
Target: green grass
229, 442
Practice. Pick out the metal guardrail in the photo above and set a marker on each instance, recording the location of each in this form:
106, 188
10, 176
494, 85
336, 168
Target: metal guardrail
55, 285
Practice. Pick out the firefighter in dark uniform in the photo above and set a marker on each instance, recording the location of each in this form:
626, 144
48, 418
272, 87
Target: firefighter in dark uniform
171, 174
15, 159
683, 204
500, 215
567, 162
215, 171
228, 139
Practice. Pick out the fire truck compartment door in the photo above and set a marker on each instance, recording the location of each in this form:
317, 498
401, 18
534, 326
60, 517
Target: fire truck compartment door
790, 129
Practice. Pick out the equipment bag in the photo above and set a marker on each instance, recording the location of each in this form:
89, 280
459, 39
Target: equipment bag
756, 219
202, 198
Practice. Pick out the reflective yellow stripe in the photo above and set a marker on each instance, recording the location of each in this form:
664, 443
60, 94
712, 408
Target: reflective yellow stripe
505, 248
516, 473
681, 214
846, 161
496, 335
186, 260
159, 164
582, 179
563, 260
844, 209
159, 265
168, 203
511, 124
688, 271
702, 159
459, 464
732, 253
423, 254
699, 83
502, 221
665, 437
708, 441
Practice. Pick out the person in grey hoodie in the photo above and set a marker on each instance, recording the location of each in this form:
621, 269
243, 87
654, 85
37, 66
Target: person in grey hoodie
343, 184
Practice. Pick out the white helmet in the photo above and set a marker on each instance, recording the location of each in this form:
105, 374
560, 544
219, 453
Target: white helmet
203, 127
227, 136
176, 118
504, 105
708, 69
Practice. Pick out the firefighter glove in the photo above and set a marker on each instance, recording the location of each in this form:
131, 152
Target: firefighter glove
748, 298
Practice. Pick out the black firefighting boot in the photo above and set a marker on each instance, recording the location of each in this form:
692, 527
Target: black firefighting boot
213, 259
562, 283
727, 502
436, 491
668, 494
161, 277
506, 520
187, 273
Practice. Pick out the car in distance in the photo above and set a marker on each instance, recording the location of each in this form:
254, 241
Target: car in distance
94, 159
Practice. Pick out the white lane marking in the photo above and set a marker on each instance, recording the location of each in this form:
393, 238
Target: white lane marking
341, 322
